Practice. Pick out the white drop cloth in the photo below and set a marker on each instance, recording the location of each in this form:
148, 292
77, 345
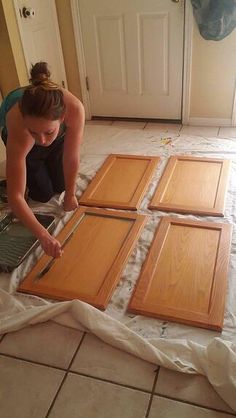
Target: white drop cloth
172, 345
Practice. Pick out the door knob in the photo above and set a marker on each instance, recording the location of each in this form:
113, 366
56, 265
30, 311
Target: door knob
28, 12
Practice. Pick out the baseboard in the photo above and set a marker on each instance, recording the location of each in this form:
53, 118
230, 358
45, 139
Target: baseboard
209, 122
134, 119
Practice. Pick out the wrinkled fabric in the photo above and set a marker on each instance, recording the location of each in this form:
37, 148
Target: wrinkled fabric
216, 19
176, 346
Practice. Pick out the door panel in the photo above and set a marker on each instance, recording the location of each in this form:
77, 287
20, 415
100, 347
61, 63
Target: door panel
192, 185
97, 244
121, 182
153, 26
111, 67
176, 285
134, 55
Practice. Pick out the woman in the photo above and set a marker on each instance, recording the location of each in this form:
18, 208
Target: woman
42, 130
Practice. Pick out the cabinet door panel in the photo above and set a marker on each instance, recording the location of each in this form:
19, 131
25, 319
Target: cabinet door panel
192, 185
97, 244
121, 182
185, 274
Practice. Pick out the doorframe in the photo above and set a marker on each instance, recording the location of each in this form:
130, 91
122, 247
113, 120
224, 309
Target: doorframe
57, 34
233, 122
187, 59
75, 11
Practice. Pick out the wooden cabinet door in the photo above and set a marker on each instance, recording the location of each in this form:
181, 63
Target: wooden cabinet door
192, 185
121, 182
184, 277
97, 244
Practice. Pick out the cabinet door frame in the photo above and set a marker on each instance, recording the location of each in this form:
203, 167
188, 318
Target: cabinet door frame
213, 318
220, 196
139, 190
46, 269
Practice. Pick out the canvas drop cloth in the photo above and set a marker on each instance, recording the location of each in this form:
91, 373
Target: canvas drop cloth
175, 346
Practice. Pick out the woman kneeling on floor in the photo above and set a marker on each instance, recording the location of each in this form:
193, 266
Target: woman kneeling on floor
42, 128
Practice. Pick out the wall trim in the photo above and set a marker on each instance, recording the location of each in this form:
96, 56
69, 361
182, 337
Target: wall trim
233, 121
187, 58
187, 61
209, 122
80, 56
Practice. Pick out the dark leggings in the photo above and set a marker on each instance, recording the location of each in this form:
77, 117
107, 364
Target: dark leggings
44, 170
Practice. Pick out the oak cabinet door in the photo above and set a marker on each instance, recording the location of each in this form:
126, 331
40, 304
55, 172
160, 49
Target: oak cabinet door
192, 185
97, 244
184, 277
121, 182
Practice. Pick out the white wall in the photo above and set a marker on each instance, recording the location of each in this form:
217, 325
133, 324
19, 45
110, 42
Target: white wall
213, 76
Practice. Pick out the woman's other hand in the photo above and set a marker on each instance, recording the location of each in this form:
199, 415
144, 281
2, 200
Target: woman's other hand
70, 203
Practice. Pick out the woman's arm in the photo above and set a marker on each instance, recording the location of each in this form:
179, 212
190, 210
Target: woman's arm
74, 121
18, 146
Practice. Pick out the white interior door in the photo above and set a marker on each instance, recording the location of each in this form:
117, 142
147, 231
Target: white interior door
134, 57
40, 36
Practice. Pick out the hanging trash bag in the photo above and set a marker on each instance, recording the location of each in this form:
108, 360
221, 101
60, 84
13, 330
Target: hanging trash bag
216, 19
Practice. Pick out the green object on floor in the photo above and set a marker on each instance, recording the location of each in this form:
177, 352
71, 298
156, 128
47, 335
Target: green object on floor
16, 241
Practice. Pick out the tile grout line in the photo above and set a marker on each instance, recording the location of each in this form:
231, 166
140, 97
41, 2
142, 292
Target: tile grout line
152, 393
65, 376
100, 379
114, 383
68, 370
195, 404
37, 363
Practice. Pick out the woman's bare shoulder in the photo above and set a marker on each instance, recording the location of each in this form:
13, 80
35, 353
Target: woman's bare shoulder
16, 130
69, 97
74, 106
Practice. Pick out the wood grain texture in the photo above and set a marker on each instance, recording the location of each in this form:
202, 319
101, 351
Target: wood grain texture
121, 182
93, 258
184, 277
192, 185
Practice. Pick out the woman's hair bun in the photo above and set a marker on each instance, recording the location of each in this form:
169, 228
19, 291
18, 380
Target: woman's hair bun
39, 73
42, 98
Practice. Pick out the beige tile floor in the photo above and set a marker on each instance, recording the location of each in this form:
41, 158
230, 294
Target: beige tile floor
50, 371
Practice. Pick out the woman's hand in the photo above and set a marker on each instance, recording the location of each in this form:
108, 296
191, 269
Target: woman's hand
51, 245
70, 202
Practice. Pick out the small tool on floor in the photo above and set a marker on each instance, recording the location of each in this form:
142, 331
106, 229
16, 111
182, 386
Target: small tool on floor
52, 261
